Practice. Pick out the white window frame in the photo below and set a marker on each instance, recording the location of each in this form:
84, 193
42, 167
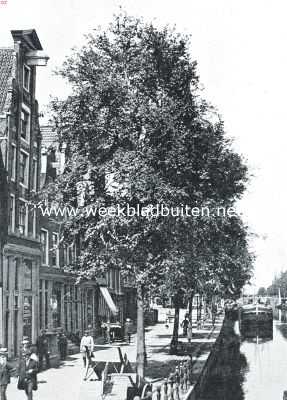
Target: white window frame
13, 208
26, 216
56, 249
47, 245
26, 177
29, 80
13, 160
27, 110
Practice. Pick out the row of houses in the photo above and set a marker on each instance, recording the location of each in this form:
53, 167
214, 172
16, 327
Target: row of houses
36, 291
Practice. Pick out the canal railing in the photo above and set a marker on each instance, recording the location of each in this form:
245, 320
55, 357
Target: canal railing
175, 387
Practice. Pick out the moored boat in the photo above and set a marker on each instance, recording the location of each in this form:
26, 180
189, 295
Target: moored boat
255, 314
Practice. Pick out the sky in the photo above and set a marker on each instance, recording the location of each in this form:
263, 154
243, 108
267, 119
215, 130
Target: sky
240, 47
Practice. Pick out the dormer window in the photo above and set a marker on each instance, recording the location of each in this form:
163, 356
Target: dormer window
26, 77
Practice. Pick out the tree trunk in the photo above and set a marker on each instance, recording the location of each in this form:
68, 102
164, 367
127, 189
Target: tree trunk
174, 340
140, 336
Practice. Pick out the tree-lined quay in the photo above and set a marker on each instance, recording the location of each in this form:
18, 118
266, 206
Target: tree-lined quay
145, 139
136, 131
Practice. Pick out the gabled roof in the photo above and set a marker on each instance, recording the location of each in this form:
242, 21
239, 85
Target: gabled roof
6, 70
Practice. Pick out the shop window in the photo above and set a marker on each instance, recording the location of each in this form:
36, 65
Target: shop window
56, 305
27, 316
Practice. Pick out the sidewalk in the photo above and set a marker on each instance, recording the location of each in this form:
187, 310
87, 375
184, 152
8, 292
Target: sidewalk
61, 383
66, 382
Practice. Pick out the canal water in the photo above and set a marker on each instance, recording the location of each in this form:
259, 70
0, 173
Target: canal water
250, 368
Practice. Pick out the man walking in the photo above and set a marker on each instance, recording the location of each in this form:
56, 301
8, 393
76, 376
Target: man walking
184, 325
86, 347
43, 350
27, 371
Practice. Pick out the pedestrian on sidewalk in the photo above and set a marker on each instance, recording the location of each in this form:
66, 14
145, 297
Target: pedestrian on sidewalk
128, 330
5, 372
184, 325
166, 323
43, 349
62, 345
87, 347
189, 331
27, 373
213, 313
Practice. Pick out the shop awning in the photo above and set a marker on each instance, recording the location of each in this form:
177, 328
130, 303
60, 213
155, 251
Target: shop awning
110, 302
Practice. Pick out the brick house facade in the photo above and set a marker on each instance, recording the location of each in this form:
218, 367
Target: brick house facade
36, 291
20, 150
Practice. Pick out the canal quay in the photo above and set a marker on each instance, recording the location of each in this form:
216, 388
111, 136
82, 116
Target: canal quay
250, 368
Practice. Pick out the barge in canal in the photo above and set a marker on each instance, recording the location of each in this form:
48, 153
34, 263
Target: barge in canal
255, 315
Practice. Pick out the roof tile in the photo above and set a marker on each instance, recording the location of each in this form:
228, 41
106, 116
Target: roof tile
6, 68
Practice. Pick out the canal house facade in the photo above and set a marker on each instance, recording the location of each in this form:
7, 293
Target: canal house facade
20, 151
37, 289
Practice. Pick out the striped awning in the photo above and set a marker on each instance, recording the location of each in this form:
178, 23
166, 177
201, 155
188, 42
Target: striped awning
110, 302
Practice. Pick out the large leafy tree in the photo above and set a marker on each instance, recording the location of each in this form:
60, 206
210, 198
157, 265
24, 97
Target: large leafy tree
137, 133
211, 258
